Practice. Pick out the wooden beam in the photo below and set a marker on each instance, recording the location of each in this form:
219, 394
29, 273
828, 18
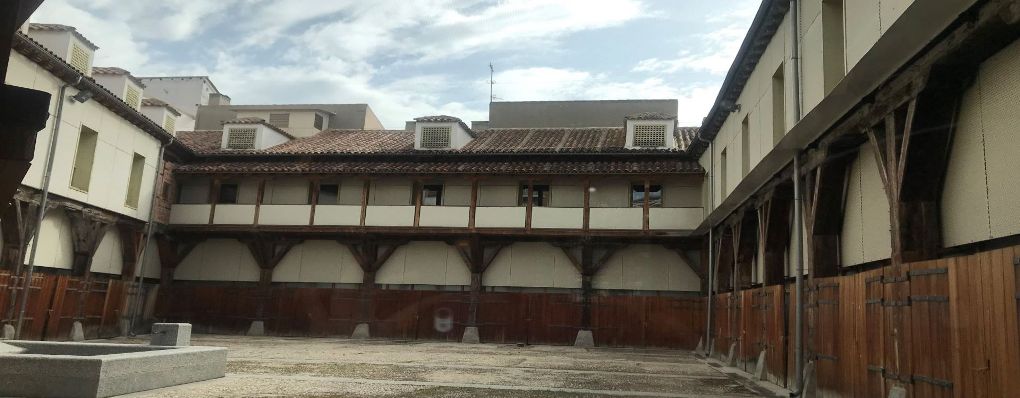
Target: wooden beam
364, 200
586, 223
214, 196
473, 210
645, 206
531, 204
260, 193
314, 185
416, 190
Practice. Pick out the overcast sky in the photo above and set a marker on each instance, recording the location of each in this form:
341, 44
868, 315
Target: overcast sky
410, 58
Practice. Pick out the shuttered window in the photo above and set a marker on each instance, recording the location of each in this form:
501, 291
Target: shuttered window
133, 97
80, 58
241, 138
318, 122
649, 135
279, 119
435, 137
135, 181
169, 124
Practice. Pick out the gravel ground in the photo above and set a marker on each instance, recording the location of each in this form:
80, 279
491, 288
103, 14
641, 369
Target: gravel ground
325, 367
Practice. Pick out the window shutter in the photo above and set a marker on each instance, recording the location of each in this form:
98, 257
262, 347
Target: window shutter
435, 137
649, 135
241, 138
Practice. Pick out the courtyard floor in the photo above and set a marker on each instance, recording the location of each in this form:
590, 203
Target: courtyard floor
328, 367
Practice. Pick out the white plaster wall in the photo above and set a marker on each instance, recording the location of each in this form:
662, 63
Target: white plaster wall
458, 136
389, 192
151, 266
183, 94
675, 218
563, 194
318, 261
291, 191
189, 214
301, 124
616, 218
497, 194
234, 214
682, 193
55, 248
424, 263
557, 217
982, 183
866, 233
500, 217
118, 142
107, 259
866, 21
444, 216
285, 214
389, 216
647, 267
610, 193
350, 191
218, 260
337, 215
532, 264
669, 124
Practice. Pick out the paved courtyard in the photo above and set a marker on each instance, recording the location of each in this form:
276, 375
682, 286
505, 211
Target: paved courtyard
327, 367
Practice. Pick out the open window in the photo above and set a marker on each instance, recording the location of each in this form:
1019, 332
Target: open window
84, 157
539, 195
432, 195
329, 194
228, 194
638, 195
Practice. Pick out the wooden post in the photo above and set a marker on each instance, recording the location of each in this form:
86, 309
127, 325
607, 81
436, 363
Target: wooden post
645, 206
258, 199
267, 253
473, 210
477, 256
214, 196
364, 200
531, 204
314, 185
370, 255
417, 191
587, 205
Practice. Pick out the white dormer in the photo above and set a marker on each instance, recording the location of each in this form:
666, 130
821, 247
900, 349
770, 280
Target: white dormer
651, 130
121, 83
251, 134
67, 43
440, 132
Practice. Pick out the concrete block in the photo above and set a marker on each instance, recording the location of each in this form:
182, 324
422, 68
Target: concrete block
731, 359
361, 331
897, 392
759, 369
171, 334
257, 328
8, 332
125, 326
711, 348
470, 335
77, 332
584, 339
701, 347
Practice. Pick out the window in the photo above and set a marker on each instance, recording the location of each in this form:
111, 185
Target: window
435, 137
432, 195
722, 174
241, 138
318, 121
135, 181
778, 105
329, 194
833, 47
637, 195
84, 156
80, 58
192, 192
539, 196
228, 194
279, 119
133, 97
649, 135
169, 124
745, 146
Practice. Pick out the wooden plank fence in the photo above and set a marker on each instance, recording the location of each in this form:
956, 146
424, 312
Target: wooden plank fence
56, 301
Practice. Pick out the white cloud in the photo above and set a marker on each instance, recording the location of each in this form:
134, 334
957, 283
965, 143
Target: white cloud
550, 84
714, 51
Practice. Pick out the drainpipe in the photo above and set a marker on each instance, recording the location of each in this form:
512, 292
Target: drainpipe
48, 171
140, 261
711, 248
797, 204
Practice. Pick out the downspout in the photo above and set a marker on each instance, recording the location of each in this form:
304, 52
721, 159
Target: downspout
797, 204
711, 248
48, 171
140, 261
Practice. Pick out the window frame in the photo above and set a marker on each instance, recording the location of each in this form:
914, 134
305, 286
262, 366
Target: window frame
639, 201
78, 152
318, 194
134, 188
220, 193
436, 189
540, 197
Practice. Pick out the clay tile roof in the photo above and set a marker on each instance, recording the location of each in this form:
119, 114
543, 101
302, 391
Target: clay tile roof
437, 119
55, 27
650, 116
258, 120
685, 136
350, 142
201, 141
113, 70
158, 102
461, 166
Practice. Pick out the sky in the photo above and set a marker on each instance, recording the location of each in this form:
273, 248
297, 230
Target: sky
411, 58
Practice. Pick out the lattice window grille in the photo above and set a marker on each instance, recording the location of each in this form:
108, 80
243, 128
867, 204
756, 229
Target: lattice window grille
435, 137
241, 138
279, 119
649, 135
79, 58
169, 124
133, 97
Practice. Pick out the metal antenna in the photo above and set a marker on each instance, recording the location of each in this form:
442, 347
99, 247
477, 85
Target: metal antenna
492, 72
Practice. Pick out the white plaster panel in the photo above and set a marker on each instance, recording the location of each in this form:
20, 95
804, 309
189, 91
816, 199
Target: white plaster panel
1000, 103
389, 216
616, 218
189, 214
557, 217
444, 216
424, 263
965, 201
390, 193
675, 218
647, 267
497, 195
284, 214
566, 195
234, 214
532, 264
286, 192
107, 259
610, 193
861, 29
318, 261
218, 260
500, 217
337, 215
877, 235
852, 237
55, 247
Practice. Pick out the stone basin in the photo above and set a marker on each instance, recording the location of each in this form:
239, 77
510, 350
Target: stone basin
72, 369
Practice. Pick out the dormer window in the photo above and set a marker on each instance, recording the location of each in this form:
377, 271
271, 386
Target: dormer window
80, 59
279, 119
435, 137
649, 135
241, 138
133, 97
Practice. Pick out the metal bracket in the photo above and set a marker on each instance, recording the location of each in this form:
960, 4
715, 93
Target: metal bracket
932, 381
928, 271
874, 301
896, 279
826, 357
876, 369
932, 299
896, 303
